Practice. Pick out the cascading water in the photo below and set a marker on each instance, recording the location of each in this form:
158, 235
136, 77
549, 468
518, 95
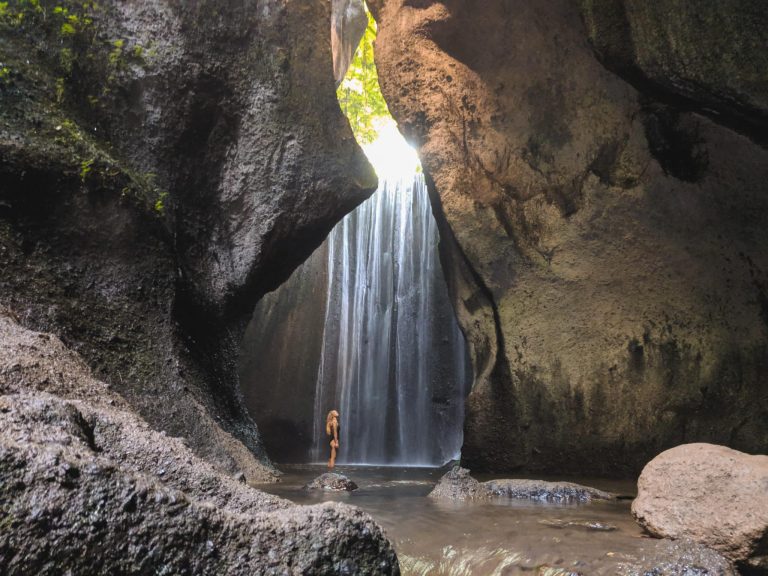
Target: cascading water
365, 326
393, 360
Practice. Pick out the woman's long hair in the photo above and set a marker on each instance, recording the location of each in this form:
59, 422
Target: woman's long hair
328, 419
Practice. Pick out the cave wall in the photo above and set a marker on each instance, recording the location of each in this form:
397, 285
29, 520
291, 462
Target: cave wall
163, 165
598, 175
280, 357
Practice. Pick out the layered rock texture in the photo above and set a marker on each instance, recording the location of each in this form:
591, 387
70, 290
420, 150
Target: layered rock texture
598, 175
711, 494
162, 165
86, 486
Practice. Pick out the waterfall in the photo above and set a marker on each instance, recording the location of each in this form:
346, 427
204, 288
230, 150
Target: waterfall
393, 359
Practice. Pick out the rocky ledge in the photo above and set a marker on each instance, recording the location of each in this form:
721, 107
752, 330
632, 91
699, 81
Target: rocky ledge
457, 484
86, 486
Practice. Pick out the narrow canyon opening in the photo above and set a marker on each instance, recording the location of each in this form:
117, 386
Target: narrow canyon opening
365, 326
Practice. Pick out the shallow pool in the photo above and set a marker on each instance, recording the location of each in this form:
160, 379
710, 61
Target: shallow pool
503, 537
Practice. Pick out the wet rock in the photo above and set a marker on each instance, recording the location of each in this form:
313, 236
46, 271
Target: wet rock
710, 494
565, 492
332, 482
457, 484
678, 558
88, 487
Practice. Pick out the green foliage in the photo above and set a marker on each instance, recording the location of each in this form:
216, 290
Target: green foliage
5, 75
64, 32
143, 186
85, 169
159, 203
359, 93
60, 89
116, 53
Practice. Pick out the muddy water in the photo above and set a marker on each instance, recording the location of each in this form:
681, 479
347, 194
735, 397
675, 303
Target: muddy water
503, 537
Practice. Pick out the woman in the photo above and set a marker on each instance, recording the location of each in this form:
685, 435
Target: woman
332, 430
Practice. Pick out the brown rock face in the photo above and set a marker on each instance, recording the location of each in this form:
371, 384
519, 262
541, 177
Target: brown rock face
605, 246
711, 494
182, 163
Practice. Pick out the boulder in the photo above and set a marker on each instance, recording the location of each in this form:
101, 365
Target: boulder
457, 484
711, 494
331, 482
86, 486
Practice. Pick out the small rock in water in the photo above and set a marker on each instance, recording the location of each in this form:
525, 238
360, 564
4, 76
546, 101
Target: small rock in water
457, 484
331, 482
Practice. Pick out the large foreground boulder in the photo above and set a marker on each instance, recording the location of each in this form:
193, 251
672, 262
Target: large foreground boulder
87, 487
711, 494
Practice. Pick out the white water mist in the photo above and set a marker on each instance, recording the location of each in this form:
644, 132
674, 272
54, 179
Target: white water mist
393, 358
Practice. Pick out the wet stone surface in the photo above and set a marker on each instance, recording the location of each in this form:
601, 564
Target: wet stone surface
331, 482
457, 484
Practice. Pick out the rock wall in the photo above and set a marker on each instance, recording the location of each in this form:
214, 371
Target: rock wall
162, 165
603, 215
280, 357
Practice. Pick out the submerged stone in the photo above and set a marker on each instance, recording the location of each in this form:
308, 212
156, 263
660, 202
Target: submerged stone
563, 492
457, 484
332, 482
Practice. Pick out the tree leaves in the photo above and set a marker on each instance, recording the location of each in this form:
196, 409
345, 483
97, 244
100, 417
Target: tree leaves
359, 93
